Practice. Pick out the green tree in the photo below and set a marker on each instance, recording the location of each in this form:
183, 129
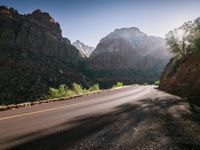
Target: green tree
179, 39
195, 36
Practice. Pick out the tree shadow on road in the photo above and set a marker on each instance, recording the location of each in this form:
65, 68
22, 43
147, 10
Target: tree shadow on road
150, 124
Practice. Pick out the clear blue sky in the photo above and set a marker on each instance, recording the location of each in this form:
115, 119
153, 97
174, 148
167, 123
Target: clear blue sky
91, 20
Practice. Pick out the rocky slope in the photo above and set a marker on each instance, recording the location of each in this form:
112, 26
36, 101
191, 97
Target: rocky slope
128, 55
34, 56
85, 50
181, 77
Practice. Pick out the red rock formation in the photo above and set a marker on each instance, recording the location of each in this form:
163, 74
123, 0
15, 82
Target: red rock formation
182, 77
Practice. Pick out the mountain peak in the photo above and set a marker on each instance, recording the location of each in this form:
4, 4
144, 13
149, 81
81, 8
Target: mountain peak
132, 39
77, 41
127, 29
8, 11
43, 16
85, 50
125, 33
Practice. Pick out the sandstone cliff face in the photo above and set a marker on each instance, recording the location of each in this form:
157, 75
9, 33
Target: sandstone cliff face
181, 77
36, 32
85, 50
129, 55
34, 56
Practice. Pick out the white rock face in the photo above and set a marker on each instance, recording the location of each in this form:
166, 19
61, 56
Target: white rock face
130, 34
130, 56
139, 41
130, 48
85, 50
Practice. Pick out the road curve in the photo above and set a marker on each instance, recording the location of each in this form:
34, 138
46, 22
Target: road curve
23, 125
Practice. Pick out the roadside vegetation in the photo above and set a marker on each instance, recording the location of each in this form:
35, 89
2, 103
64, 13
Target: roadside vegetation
118, 84
61, 93
65, 91
157, 83
75, 90
145, 84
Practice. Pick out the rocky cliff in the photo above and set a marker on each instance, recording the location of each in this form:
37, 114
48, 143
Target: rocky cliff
36, 32
34, 56
129, 55
181, 77
85, 50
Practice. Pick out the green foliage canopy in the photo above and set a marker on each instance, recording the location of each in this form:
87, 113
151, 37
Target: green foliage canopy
185, 39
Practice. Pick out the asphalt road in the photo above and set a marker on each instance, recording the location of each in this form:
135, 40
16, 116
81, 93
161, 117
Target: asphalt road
47, 126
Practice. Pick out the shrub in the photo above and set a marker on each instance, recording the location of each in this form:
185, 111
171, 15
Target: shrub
69, 93
77, 88
157, 83
53, 93
118, 84
94, 87
64, 91
86, 90
145, 84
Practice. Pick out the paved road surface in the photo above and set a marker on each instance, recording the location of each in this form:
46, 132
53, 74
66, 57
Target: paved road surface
24, 128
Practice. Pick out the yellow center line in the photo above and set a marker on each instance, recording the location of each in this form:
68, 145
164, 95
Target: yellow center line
40, 111
45, 110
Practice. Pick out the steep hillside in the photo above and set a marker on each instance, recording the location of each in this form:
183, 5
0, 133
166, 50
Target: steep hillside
128, 55
85, 50
181, 77
34, 56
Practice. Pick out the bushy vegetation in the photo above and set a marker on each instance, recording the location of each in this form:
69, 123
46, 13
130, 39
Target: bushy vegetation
145, 84
185, 39
78, 89
157, 83
118, 84
94, 88
65, 91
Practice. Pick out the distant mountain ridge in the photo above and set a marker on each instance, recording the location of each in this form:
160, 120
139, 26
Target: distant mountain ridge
140, 58
85, 50
137, 39
129, 34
